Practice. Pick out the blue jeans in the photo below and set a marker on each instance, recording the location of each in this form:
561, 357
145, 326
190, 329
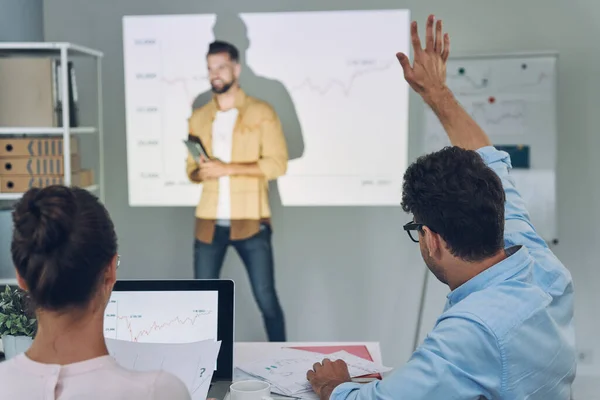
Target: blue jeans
257, 255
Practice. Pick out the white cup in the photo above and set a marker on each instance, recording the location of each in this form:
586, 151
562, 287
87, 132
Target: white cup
250, 390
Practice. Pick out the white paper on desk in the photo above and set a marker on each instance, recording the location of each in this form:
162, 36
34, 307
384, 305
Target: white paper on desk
192, 363
358, 366
239, 375
286, 371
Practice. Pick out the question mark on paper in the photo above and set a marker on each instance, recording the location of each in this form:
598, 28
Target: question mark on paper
202, 370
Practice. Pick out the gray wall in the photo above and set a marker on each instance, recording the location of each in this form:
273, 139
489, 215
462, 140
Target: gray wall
6, 266
350, 273
21, 21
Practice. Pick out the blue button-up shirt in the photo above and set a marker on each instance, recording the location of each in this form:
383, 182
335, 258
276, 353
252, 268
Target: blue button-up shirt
505, 334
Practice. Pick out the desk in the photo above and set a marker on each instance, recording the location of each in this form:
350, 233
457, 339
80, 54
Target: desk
244, 352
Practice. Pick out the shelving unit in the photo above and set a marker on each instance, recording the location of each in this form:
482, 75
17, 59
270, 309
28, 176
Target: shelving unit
64, 52
45, 131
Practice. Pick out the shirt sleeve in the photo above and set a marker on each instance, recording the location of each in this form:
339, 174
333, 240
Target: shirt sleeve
274, 153
192, 169
459, 359
518, 229
167, 386
191, 166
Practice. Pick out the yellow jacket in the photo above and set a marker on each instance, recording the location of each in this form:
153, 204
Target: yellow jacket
257, 137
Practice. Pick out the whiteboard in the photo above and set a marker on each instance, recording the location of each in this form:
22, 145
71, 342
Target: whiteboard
513, 98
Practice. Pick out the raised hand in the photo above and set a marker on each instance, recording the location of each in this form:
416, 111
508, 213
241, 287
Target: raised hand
427, 75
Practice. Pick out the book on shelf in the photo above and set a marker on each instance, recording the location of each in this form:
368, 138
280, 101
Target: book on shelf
31, 94
73, 103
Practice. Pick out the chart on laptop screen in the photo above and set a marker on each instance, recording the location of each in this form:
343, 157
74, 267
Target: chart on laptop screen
162, 317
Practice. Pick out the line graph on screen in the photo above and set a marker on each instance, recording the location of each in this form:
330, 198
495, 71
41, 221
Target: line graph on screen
360, 68
346, 85
133, 320
188, 84
136, 333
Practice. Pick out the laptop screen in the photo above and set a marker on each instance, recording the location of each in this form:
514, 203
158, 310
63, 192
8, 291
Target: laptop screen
162, 316
175, 311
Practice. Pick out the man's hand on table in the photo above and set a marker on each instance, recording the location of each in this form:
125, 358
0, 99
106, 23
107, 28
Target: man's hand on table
326, 376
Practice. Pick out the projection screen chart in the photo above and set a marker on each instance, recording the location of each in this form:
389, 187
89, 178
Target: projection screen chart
337, 88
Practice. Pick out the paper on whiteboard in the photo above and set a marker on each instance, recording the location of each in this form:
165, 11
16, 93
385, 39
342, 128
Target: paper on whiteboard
538, 190
192, 363
286, 371
503, 118
512, 98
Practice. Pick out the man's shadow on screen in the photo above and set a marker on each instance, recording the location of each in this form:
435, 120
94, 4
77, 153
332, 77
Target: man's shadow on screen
232, 29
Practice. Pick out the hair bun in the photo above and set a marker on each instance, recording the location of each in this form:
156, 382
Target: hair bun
33, 207
46, 218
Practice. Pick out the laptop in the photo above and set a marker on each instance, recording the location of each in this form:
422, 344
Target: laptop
167, 311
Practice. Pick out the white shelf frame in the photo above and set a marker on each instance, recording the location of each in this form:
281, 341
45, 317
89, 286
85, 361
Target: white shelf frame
63, 51
45, 131
17, 196
53, 47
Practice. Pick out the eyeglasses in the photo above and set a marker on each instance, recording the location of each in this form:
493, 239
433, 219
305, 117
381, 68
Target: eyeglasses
413, 226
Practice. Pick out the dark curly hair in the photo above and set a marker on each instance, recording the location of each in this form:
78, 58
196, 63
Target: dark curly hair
455, 194
219, 46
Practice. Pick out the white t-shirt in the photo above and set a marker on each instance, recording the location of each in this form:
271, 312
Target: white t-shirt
222, 141
98, 378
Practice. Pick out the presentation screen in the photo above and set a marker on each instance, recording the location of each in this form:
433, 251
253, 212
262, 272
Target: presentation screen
332, 78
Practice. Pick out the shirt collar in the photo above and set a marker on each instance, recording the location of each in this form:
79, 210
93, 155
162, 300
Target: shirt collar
240, 100
496, 273
37, 368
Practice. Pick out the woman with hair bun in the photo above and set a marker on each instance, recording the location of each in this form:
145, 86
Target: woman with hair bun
64, 249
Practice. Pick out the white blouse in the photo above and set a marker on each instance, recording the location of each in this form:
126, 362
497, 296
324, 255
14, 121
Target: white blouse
98, 378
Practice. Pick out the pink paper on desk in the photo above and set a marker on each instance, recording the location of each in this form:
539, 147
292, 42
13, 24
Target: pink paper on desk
357, 350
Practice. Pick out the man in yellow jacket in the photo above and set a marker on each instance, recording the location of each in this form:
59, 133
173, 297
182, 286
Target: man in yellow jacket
246, 147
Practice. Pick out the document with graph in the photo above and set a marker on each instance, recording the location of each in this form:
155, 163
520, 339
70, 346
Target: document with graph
286, 370
192, 363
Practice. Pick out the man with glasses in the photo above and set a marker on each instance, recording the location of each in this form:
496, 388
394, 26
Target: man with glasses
507, 328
